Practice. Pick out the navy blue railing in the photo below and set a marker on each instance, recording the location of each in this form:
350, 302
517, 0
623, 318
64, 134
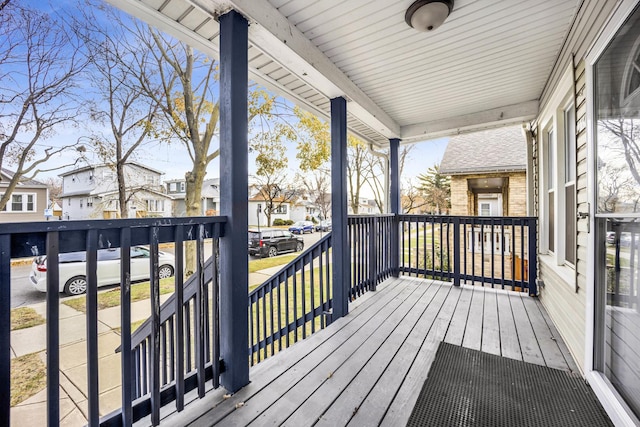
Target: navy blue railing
152, 390
485, 251
292, 304
177, 349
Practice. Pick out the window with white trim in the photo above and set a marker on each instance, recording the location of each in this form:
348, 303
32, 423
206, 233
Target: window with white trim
569, 116
550, 161
21, 202
558, 175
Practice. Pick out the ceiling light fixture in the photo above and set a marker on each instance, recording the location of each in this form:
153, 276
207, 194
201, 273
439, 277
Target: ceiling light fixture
427, 15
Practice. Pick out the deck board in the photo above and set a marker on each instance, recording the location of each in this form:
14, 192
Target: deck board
368, 368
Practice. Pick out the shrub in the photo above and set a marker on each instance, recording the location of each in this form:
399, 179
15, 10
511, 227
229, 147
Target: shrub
278, 221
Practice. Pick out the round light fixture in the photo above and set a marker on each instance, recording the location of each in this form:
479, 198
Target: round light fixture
427, 15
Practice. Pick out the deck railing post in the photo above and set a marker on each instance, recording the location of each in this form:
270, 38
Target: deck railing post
533, 257
394, 177
5, 325
234, 171
341, 256
456, 251
373, 253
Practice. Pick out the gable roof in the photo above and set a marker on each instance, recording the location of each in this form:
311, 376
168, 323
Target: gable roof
495, 150
6, 173
101, 165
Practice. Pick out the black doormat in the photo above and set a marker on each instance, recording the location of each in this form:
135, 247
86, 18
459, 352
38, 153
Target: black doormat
470, 388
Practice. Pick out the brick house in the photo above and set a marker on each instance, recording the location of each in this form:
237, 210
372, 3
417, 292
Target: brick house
488, 172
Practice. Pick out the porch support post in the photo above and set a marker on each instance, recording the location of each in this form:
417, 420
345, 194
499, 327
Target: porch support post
341, 262
234, 181
394, 177
5, 326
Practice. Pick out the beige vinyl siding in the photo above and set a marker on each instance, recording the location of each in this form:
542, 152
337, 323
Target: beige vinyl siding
566, 303
566, 309
590, 18
40, 204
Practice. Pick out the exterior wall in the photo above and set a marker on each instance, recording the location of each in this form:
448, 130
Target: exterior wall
564, 295
253, 214
463, 201
84, 181
40, 202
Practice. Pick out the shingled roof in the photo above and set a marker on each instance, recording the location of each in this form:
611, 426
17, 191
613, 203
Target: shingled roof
495, 150
8, 175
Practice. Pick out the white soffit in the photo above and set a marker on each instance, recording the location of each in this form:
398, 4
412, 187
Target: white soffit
485, 66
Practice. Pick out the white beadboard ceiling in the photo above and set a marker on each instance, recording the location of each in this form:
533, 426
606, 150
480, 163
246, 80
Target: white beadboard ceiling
486, 66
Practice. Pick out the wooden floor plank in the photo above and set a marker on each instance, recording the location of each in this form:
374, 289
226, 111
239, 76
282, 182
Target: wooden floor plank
455, 332
529, 347
368, 368
404, 400
558, 340
289, 391
297, 357
490, 325
509, 343
407, 369
346, 391
473, 328
553, 357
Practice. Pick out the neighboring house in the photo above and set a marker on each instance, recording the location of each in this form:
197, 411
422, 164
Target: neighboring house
28, 200
257, 204
303, 209
488, 172
366, 206
91, 192
176, 188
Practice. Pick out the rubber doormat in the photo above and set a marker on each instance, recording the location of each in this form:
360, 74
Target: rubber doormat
470, 388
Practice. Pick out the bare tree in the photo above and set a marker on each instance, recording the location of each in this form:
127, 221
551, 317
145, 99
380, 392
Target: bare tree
40, 66
413, 199
120, 102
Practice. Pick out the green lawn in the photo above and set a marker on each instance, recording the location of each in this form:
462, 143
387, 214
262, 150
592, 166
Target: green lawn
261, 264
111, 298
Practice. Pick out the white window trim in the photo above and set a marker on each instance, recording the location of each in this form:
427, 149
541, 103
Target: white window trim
552, 118
9, 206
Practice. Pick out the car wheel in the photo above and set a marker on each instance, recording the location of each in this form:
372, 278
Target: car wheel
299, 247
272, 251
165, 271
76, 286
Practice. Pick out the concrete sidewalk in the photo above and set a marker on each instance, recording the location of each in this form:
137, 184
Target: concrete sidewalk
73, 363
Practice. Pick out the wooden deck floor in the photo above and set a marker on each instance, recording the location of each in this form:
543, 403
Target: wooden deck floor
368, 368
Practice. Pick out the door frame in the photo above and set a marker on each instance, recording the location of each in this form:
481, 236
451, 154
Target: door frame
613, 403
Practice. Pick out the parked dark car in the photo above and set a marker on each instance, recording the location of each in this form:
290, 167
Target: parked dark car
324, 226
301, 227
271, 242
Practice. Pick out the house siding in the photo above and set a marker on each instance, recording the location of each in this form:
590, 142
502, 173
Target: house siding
41, 203
564, 295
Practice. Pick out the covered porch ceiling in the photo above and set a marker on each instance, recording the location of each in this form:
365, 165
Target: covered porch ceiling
486, 66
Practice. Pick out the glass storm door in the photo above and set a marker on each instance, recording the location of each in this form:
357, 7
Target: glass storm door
617, 120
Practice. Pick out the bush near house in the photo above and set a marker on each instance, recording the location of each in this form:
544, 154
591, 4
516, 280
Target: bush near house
281, 222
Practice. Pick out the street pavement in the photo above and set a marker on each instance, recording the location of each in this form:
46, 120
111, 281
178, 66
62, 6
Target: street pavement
23, 293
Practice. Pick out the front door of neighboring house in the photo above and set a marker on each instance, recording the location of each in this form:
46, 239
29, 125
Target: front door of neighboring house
616, 117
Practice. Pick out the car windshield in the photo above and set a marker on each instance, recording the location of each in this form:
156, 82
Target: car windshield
300, 223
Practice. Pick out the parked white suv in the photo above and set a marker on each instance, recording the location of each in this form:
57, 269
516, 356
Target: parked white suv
73, 268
